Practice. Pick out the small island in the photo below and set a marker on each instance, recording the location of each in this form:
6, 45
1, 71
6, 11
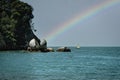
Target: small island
16, 28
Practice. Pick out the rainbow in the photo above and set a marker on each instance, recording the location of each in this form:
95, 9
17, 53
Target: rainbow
91, 12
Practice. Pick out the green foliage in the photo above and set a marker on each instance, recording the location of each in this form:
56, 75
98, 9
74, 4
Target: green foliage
15, 18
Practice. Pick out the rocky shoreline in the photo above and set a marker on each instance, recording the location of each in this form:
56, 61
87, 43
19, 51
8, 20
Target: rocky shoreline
16, 28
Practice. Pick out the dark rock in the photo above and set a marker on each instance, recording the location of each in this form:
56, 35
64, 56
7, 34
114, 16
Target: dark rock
63, 49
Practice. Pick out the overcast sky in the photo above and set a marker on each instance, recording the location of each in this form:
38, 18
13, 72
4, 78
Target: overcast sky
103, 29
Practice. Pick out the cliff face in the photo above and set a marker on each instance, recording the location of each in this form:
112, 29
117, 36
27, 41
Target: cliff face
15, 24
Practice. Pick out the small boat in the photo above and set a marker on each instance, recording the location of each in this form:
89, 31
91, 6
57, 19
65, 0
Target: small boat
78, 46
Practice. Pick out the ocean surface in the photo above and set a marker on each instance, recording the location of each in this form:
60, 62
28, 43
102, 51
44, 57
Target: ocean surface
86, 63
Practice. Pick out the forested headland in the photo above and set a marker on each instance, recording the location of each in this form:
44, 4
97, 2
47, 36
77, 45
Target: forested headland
15, 25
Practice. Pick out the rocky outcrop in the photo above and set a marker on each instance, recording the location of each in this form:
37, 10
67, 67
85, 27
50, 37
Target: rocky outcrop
16, 28
35, 46
15, 25
63, 49
50, 50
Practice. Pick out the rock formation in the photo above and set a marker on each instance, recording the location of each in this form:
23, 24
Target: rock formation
63, 49
15, 25
16, 28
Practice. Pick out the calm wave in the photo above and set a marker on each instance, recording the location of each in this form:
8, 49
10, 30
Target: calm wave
86, 63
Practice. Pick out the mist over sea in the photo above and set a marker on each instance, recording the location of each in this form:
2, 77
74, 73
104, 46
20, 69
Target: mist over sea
85, 63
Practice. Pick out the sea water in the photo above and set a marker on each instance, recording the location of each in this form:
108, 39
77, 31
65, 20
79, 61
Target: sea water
86, 63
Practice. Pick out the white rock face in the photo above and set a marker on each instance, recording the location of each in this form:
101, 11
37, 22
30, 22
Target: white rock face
50, 49
34, 44
43, 43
